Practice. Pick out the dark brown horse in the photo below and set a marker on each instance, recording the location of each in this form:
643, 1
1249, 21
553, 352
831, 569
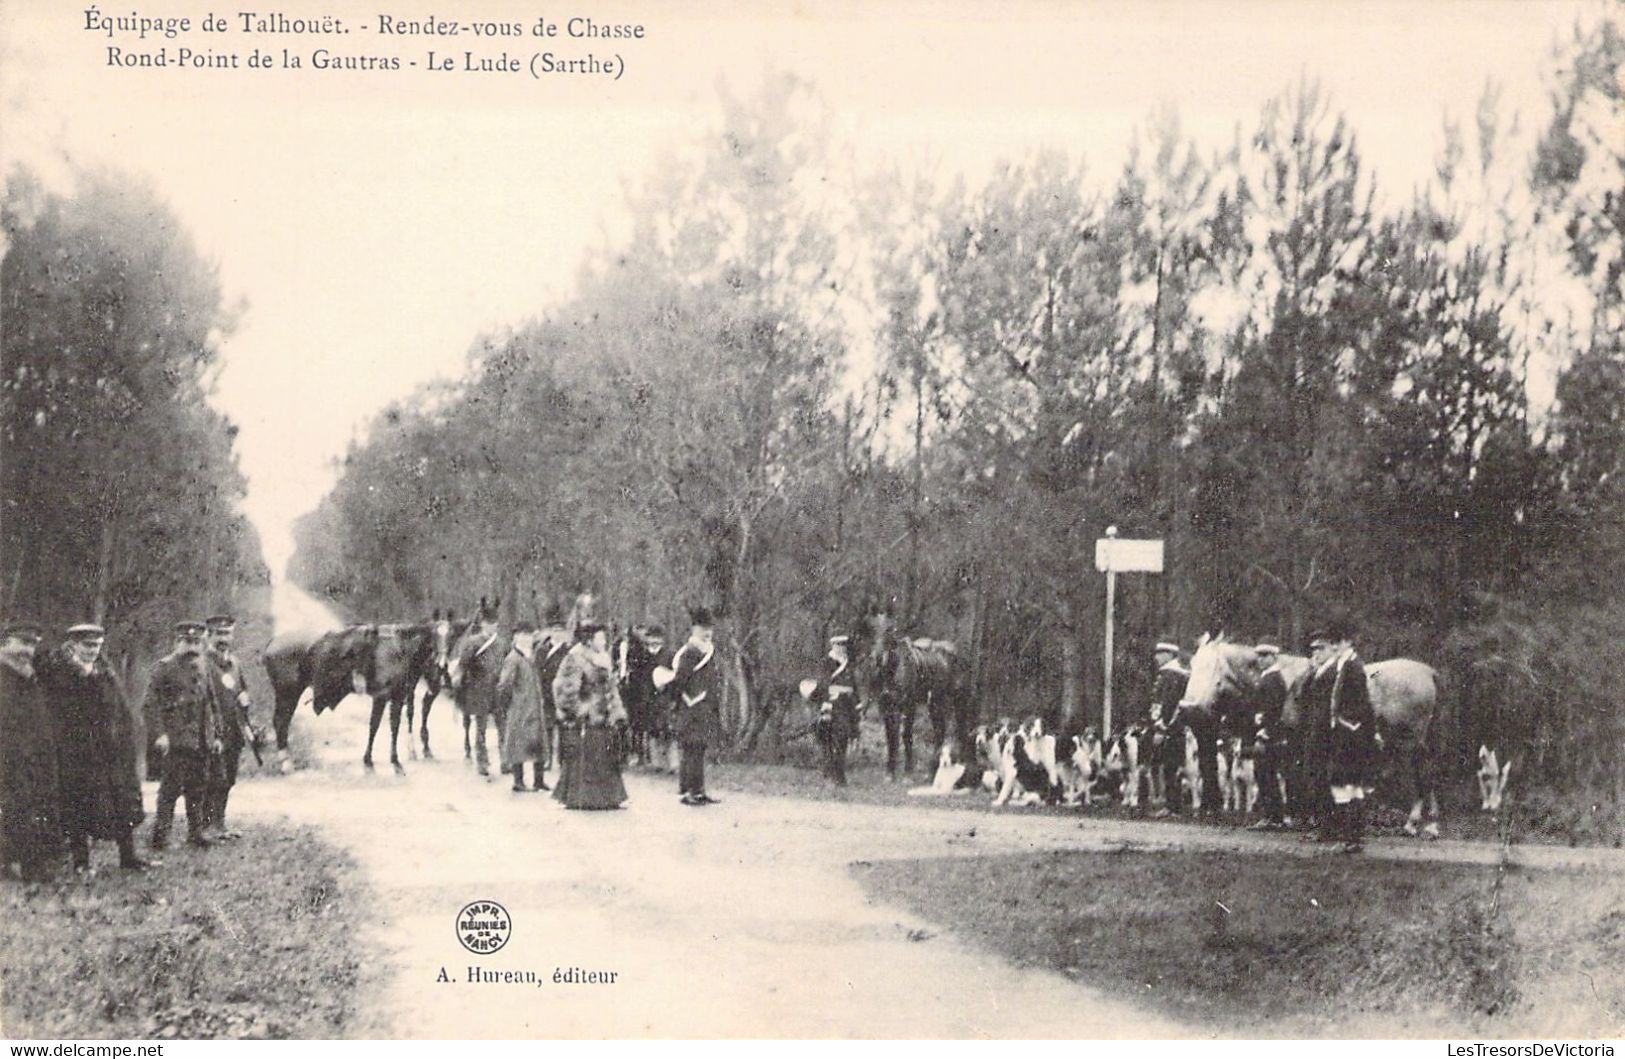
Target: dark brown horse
435, 672
900, 675
332, 665
403, 656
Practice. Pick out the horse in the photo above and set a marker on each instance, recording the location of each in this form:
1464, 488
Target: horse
1405, 696
901, 675
475, 666
435, 674
332, 665
404, 655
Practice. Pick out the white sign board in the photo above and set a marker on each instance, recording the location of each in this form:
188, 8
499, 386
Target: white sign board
1125, 556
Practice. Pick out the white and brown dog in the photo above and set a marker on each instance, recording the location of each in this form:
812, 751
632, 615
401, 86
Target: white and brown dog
1241, 793
1027, 774
1082, 766
1122, 766
1492, 778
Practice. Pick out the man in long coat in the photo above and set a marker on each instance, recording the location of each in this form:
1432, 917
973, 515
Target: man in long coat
519, 699
1339, 692
555, 643
237, 731
696, 682
182, 690
96, 751
30, 792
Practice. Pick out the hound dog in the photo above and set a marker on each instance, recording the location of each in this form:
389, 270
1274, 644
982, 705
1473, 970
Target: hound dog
1190, 772
1492, 778
1027, 772
951, 765
1082, 766
1122, 765
1241, 794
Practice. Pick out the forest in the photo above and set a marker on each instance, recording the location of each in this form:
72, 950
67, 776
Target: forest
796, 388
119, 484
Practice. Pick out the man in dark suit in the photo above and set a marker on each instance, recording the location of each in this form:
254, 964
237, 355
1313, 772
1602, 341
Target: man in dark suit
836, 700
101, 791
1166, 726
554, 643
1269, 739
1342, 734
231, 695
696, 681
182, 689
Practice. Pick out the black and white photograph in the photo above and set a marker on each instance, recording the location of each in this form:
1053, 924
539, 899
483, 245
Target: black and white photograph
924, 520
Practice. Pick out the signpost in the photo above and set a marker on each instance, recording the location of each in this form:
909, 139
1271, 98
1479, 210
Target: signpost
1114, 556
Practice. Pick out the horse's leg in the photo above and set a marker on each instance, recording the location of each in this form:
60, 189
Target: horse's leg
429, 696
372, 728
409, 707
395, 706
908, 740
892, 720
468, 747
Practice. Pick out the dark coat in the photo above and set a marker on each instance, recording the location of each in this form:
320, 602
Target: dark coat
1338, 722
1269, 703
837, 701
180, 694
231, 694
96, 745
1169, 688
30, 828
697, 688
638, 689
548, 659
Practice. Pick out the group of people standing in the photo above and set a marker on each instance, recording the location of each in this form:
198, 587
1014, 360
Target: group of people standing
68, 745
562, 696
1324, 763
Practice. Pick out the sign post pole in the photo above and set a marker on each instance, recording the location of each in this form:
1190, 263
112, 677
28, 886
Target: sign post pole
1111, 556
1106, 709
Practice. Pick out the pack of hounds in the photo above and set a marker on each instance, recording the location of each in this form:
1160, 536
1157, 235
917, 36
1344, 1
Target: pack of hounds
1024, 764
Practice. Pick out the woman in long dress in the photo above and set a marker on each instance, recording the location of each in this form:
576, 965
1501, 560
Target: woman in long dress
589, 705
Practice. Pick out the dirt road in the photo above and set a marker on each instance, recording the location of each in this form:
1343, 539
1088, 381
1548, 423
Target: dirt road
735, 920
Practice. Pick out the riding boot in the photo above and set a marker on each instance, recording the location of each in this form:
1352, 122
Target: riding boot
518, 776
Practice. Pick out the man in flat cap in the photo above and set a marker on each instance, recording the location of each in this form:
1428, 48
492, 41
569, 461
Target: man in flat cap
1269, 736
96, 751
237, 729
30, 791
696, 681
181, 693
1167, 727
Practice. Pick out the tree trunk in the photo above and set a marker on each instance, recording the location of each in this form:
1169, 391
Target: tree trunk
1071, 676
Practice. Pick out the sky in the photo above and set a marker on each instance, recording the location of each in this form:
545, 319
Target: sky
372, 224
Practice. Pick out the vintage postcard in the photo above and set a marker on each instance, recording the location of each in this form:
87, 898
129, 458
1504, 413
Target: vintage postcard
936, 519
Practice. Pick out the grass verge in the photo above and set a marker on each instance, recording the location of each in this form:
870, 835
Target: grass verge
250, 940
1296, 946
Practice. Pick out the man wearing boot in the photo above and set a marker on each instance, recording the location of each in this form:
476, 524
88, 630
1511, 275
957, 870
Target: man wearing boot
231, 695
96, 758
1338, 681
181, 691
